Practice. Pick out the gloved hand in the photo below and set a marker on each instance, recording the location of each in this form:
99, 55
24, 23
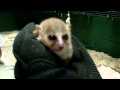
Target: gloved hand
35, 61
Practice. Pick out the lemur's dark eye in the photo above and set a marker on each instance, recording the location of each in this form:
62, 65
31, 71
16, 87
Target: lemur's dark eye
65, 37
52, 37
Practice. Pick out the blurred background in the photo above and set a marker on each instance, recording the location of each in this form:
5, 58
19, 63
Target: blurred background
97, 30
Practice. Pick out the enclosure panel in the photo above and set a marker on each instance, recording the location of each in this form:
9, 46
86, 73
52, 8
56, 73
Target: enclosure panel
7, 21
98, 33
98, 44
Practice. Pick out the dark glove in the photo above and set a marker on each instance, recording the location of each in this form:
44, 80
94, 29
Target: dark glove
35, 61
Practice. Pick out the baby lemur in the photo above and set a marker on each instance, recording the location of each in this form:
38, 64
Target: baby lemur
56, 35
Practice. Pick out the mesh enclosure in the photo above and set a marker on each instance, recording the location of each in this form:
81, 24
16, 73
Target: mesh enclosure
107, 14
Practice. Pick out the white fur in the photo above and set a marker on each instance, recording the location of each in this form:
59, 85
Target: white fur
66, 53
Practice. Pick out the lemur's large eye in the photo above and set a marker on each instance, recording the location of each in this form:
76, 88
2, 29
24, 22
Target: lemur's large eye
65, 37
52, 37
